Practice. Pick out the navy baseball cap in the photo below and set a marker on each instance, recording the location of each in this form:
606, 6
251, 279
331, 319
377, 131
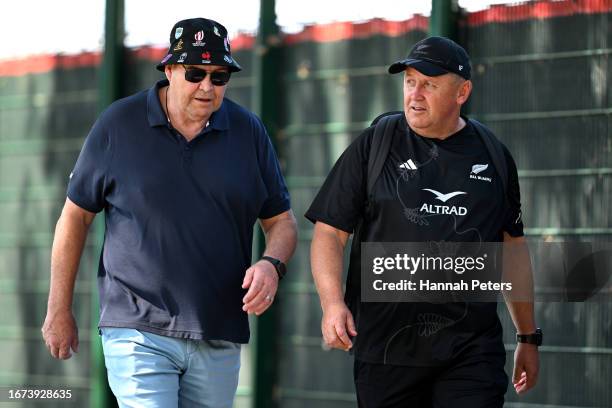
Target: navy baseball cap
199, 41
435, 56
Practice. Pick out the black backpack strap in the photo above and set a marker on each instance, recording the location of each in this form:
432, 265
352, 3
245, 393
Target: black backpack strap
381, 144
384, 129
382, 115
495, 150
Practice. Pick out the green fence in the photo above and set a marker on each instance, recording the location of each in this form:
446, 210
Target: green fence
541, 83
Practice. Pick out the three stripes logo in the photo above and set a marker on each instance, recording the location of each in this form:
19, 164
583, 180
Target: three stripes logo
408, 165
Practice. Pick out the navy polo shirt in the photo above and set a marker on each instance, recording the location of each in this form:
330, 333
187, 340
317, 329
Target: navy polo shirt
179, 215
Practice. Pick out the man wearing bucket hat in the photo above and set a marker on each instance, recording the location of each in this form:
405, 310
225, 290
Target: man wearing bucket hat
427, 174
182, 174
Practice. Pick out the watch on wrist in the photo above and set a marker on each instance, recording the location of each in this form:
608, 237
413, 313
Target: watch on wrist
533, 338
280, 267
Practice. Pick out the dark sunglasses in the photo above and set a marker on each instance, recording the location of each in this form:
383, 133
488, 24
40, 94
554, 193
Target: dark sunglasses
197, 75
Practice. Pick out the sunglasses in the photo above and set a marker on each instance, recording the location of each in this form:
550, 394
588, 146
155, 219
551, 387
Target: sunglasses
197, 75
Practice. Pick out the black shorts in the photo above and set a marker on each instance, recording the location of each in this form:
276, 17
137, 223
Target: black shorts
470, 382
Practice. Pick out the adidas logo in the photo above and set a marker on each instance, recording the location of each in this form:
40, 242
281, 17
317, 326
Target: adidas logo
408, 165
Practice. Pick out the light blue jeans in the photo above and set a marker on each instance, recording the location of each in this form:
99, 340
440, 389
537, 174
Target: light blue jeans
146, 370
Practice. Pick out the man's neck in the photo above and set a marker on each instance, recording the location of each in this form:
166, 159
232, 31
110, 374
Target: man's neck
443, 133
188, 128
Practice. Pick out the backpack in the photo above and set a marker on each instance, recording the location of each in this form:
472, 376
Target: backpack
384, 130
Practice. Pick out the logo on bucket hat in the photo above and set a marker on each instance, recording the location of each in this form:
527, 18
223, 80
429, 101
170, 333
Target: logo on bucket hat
435, 56
199, 36
205, 33
178, 46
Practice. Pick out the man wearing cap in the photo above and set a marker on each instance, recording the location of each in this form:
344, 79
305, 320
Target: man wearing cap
422, 354
182, 175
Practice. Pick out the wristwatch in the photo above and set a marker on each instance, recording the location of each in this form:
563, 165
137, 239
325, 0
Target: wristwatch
533, 338
280, 267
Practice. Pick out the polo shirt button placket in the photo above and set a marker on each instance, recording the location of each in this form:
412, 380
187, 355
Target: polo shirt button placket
187, 153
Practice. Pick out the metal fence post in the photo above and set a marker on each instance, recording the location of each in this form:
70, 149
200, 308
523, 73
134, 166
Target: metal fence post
110, 88
265, 95
443, 20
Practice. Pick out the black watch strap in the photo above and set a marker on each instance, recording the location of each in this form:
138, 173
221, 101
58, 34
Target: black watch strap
280, 267
533, 338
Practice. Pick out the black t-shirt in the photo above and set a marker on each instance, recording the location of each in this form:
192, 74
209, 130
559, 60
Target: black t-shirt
454, 195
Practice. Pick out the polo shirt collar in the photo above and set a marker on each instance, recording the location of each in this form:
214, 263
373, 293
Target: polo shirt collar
157, 117
219, 120
155, 112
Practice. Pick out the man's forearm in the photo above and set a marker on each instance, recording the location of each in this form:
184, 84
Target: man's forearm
522, 316
281, 239
517, 270
326, 255
68, 243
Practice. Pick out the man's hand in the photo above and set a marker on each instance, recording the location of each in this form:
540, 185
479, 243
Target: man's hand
337, 325
60, 334
526, 367
262, 281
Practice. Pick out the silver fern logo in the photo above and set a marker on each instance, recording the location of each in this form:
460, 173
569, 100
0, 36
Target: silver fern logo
479, 168
427, 325
476, 170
